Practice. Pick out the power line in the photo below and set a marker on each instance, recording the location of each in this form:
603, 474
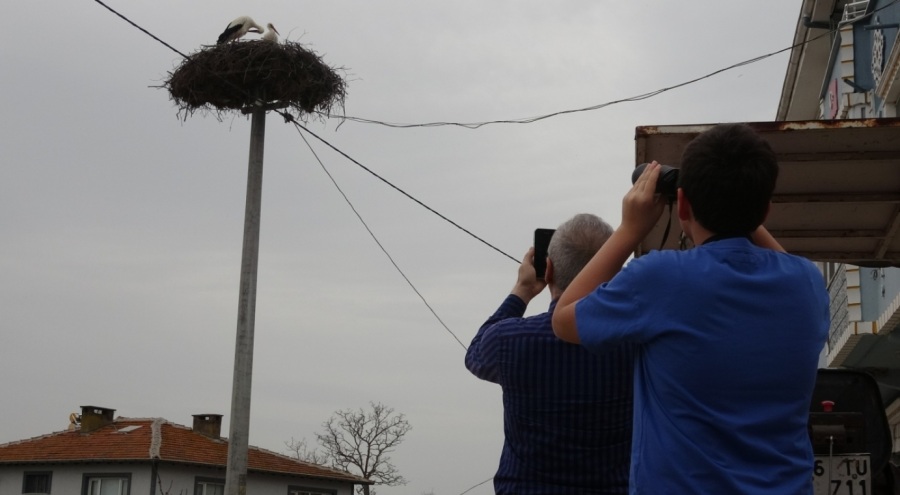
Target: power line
476, 486
148, 33
529, 120
381, 246
290, 118
401, 191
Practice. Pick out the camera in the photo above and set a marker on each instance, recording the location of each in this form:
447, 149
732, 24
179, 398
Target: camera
667, 185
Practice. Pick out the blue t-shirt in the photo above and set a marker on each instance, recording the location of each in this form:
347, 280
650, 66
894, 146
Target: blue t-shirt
728, 336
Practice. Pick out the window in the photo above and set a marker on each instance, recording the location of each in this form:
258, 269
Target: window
36, 482
107, 484
209, 486
302, 490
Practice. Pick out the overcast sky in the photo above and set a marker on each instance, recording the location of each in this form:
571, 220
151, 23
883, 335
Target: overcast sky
122, 225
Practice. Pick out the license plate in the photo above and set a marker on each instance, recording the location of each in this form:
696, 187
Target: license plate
842, 475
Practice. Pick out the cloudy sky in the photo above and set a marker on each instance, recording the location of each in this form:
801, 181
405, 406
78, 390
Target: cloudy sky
122, 224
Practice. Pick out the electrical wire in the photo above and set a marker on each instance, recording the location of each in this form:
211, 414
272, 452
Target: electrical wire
476, 486
375, 238
401, 191
290, 118
529, 120
148, 33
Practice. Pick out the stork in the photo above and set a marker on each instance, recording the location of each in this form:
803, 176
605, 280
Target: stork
271, 33
238, 28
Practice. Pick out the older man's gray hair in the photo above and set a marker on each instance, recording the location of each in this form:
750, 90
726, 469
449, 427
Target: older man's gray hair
574, 244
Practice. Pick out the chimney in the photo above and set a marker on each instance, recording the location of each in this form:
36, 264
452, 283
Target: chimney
93, 418
208, 425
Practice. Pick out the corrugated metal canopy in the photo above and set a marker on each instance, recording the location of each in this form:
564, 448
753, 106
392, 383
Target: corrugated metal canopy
838, 191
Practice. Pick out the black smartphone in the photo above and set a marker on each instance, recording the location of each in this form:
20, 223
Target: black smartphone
541, 241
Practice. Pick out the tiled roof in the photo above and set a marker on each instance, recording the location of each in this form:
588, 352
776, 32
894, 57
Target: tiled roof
131, 439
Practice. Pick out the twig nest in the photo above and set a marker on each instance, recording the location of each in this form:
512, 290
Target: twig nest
252, 74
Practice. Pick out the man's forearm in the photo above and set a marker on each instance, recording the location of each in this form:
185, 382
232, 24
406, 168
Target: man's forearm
602, 268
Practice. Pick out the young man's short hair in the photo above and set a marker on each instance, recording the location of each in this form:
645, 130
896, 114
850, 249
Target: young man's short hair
728, 175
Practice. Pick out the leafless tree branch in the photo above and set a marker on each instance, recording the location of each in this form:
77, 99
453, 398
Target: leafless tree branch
359, 441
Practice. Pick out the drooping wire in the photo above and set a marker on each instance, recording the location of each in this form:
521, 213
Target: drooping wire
476, 486
375, 238
290, 118
148, 33
529, 120
401, 191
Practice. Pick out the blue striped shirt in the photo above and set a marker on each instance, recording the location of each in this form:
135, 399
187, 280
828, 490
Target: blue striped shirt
566, 412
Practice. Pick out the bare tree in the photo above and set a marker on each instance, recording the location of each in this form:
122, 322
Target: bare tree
360, 441
301, 451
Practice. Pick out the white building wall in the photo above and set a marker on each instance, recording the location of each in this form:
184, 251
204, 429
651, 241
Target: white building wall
67, 479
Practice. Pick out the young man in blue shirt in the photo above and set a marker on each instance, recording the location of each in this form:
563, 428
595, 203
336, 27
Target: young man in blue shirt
566, 412
728, 333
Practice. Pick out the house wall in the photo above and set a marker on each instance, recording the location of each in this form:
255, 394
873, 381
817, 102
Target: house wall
879, 287
175, 478
278, 485
67, 479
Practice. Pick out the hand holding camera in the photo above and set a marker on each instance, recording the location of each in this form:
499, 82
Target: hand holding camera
641, 206
667, 184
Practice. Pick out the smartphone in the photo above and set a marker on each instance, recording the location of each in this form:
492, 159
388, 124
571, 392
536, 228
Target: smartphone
541, 241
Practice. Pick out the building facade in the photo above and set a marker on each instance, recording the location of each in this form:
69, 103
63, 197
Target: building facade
845, 64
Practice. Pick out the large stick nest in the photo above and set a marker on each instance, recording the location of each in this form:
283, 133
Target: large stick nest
245, 75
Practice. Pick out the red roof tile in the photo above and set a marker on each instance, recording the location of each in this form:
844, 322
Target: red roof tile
130, 439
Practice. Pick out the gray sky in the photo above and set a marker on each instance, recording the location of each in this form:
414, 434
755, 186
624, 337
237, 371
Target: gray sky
122, 224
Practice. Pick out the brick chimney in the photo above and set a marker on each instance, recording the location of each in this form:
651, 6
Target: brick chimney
93, 418
208, 425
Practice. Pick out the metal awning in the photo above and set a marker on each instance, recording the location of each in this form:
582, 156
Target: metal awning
838, 191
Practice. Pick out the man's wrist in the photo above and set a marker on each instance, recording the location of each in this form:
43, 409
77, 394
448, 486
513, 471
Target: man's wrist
522, 294
630, 235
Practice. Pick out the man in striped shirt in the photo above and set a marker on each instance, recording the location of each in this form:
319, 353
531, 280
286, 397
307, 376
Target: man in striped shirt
566, 412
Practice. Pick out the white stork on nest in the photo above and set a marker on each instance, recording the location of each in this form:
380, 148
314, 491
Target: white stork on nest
271, 33
238, 28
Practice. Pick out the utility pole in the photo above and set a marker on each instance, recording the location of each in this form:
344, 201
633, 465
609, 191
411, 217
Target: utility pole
239, 427
255, 77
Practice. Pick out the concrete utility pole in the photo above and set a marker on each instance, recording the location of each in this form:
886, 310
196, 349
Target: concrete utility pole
239, 427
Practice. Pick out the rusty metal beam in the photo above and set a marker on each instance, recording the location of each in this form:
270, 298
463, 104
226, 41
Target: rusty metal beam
828, 234
837, 198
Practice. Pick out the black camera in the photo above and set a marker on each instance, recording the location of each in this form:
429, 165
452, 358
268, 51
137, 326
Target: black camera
667, 185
